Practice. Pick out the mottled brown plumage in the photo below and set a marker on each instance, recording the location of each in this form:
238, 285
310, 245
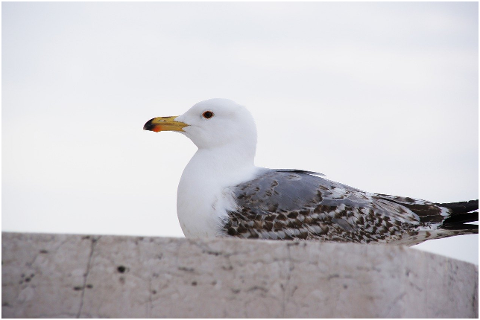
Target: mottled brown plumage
286, 205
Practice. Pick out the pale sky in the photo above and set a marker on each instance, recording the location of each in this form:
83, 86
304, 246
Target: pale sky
380, 96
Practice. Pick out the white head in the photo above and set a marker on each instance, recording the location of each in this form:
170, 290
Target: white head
212, 124
217, 122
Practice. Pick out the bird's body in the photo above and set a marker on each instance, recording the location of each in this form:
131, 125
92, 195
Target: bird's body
223, 194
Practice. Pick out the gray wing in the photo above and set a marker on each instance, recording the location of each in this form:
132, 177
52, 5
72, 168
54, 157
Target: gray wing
291, 204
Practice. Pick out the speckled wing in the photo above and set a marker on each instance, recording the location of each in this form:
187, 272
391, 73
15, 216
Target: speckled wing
293, 204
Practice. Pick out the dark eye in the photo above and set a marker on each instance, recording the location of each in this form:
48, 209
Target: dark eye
207, 114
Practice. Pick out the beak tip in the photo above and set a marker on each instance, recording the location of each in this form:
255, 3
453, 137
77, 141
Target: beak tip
148, 125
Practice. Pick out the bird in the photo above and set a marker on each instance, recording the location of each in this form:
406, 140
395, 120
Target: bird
222, 193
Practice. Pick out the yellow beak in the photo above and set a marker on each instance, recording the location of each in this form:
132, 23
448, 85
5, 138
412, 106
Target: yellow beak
164, 124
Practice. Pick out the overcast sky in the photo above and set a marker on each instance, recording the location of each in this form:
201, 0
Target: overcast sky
379, 96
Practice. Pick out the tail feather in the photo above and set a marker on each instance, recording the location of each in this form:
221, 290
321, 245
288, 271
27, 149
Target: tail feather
461, 213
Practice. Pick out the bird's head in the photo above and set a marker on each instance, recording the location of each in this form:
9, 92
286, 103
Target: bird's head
210, 124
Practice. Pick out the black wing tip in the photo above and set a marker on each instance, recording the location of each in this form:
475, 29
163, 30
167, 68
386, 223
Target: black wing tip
463, 218
462, 227
460, 207
461, 213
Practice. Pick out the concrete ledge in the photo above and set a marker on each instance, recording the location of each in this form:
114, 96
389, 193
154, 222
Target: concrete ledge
47, 275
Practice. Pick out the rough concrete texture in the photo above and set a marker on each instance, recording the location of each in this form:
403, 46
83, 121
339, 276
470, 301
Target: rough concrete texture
47, 275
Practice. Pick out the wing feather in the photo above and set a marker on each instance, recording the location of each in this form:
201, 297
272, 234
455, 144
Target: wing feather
294, 204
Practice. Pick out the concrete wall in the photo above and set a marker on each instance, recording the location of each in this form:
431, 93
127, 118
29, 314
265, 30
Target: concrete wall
46, 275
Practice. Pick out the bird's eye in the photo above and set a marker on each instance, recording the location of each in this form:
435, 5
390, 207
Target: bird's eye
207, 114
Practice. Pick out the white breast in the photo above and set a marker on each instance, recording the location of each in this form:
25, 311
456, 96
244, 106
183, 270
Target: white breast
204, 195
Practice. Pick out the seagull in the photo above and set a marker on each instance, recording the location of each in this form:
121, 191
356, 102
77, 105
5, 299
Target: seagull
223, 194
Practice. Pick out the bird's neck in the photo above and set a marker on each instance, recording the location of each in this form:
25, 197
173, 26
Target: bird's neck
223, 162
